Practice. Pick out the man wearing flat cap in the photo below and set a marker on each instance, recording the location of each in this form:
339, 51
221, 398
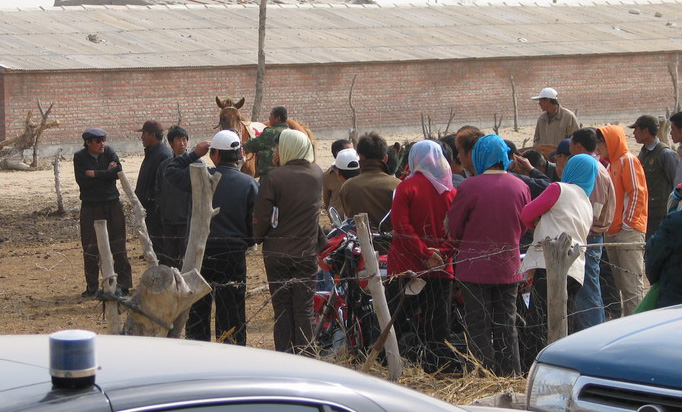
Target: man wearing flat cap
154, 153
555, 123
660, 165
96, 167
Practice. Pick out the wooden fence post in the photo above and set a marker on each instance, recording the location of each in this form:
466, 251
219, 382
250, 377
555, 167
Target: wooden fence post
139, 214
376, 288
109, 277
559, 255
203, 186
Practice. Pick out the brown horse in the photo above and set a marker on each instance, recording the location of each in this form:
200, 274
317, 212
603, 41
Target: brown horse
230, 118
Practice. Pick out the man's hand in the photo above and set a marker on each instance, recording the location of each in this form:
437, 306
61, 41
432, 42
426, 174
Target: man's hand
113, 165
523, 164
202, 148
90, 173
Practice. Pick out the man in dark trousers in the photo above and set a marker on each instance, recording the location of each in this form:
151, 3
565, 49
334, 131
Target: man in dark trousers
96, 167
154, 153
172, 204
231, 233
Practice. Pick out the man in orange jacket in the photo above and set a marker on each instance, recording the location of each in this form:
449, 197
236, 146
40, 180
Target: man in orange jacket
630, 219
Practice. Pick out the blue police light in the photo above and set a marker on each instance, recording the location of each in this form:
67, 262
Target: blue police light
72, 359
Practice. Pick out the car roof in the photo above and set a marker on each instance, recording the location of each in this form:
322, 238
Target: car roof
134, 370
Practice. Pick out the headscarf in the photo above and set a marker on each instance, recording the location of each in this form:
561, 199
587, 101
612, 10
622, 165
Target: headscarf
426, 157
294, 145
581, 170
490, 150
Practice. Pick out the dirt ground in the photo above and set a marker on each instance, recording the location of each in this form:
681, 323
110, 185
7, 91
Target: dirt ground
41, 265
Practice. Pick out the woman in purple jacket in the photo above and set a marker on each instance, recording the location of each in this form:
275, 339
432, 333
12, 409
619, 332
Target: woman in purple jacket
484, 222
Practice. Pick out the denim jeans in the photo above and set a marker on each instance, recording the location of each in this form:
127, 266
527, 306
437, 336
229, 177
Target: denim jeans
589, 306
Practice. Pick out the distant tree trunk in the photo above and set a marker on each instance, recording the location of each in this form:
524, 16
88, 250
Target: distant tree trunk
515, 103
353, 135
58, 183
39, 132
673, 68
260, 72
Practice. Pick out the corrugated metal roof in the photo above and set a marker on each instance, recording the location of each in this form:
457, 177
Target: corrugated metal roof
114, 37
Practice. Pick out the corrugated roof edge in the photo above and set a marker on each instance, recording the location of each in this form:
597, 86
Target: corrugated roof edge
442, 3
364, 62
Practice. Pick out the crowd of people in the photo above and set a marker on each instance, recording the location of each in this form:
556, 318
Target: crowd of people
464, 210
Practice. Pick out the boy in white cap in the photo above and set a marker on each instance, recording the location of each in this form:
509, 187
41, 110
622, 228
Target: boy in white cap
231, 234
555, 123
347, 164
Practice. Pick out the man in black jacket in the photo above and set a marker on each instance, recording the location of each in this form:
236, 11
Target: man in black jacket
172, 204
145, 190
96, 167
231, 233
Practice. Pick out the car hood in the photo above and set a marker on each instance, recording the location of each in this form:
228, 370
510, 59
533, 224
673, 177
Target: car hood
642, 348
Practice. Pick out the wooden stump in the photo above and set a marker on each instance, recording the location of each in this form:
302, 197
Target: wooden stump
559, 253
160, 297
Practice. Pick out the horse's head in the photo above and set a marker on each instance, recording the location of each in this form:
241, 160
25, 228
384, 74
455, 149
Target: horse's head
229, 113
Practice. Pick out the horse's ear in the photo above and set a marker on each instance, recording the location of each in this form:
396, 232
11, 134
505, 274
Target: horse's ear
240, 103
219, 102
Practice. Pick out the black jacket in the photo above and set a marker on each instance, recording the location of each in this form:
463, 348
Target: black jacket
102, 187
664, 260
172, 204
232, 227
146, 180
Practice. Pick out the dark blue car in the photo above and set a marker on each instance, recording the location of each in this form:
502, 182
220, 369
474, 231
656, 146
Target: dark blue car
629, 364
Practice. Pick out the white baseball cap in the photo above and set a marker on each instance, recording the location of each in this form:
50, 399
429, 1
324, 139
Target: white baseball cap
347, 159
225, 140
546, 93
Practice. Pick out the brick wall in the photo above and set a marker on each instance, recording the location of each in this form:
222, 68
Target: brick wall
388, 96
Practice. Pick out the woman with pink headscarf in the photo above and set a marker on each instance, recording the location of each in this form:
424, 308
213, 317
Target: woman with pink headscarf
420, 205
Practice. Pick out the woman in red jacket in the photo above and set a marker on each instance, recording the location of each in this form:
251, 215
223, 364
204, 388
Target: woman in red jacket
419, 244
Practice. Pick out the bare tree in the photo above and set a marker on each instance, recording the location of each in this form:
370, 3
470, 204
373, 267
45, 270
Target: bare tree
260, 72
496, 125
353, 135
673, 69
177, 108
30, 138
515, 103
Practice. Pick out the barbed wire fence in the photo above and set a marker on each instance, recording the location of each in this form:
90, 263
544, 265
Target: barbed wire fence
63, 264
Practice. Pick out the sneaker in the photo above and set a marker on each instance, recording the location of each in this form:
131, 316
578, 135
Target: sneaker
88, 294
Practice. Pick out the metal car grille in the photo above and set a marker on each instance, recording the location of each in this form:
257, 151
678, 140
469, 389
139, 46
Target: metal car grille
606, 395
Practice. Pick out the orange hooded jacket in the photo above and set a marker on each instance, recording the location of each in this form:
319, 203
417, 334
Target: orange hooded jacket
629, 181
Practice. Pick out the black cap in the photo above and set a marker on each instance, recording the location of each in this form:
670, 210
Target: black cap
94, 133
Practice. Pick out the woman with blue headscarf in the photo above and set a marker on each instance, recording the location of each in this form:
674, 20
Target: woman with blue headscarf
485, 223
420, 244
563, 207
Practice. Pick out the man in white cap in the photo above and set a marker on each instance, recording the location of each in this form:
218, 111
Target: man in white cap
347, 166
231, 233
555, 123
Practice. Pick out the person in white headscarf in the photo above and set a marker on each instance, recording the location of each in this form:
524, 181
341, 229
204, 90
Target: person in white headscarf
286, 220
419, 244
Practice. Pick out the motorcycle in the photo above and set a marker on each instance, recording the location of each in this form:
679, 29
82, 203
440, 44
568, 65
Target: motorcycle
344, 315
